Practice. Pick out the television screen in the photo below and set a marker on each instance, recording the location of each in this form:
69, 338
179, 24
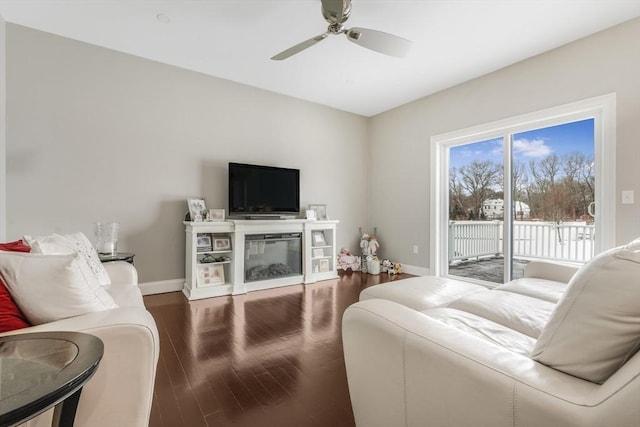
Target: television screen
263, 190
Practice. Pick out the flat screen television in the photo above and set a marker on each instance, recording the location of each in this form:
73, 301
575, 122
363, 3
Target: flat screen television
256, 190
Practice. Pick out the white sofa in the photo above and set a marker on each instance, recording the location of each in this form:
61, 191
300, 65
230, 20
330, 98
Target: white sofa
438, 352
121, 391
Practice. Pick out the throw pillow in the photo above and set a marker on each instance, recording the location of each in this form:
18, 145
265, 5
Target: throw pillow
52, 287
16, 246
11, 317
594, 328
69, 243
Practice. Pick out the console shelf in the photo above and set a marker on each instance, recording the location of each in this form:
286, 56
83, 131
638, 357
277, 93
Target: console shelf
209, 279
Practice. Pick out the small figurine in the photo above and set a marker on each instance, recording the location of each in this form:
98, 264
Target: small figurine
373, 245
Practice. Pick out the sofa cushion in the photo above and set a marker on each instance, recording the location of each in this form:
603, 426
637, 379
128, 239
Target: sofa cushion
484, 329
11, 318
55, 244
522, 313
421, 293
547, 290
52, 287
595, 327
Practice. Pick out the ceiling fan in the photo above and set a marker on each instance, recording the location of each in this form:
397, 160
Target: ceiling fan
336, 13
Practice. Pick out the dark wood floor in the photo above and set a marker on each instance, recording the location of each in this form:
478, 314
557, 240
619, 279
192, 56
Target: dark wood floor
267, 358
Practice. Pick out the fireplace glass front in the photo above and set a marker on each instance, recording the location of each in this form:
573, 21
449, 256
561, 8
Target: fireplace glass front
272, 256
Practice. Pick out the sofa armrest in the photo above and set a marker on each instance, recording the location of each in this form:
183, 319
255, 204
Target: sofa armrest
121, 273
121, 391
405, 368
550, 271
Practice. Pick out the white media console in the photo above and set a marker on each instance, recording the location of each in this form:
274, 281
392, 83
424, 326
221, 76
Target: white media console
238, 256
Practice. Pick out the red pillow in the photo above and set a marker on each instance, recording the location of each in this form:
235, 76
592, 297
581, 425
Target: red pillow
11, 317
17, 246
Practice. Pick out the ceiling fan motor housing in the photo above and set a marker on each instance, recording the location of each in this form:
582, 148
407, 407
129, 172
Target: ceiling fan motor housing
338, 16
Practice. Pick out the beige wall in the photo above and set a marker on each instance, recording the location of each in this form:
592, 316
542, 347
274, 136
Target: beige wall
99, 135
603, 63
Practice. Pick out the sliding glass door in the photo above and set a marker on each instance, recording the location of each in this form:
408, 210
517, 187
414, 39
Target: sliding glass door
520, 193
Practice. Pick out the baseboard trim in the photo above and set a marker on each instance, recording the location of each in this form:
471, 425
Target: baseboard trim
161, 287
412, 269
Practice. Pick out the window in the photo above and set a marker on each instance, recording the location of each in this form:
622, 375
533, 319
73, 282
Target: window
538, 186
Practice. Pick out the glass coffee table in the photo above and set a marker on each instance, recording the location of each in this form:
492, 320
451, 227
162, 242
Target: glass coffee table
42, 370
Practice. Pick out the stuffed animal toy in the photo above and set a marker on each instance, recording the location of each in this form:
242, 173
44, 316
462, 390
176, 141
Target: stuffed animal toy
384, 265
397, 267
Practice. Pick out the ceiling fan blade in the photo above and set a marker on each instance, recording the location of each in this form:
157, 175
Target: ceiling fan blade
379, 41
299, 47
336, 11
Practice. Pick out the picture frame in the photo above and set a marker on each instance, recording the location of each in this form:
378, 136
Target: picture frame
317, 238
210, 275
324, 265
216, 215
197, 208
321, 211
203, 242
311, 214
221, 244
318, 252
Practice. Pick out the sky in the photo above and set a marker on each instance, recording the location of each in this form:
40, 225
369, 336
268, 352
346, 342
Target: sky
531, 145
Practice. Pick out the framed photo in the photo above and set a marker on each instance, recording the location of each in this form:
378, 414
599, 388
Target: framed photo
203, 242
221, 244
216, 215
321, 211
210, 275
311, 214
324, 265
197, 208
317, 238
318, 253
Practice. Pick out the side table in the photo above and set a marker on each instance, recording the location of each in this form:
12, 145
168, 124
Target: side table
118, 256
39, 371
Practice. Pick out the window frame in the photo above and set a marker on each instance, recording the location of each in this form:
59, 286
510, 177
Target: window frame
602, 109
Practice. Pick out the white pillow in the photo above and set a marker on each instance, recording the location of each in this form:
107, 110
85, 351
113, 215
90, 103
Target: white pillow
52, 287
56, 244
595, 328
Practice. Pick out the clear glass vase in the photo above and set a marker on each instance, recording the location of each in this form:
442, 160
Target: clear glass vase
107, 237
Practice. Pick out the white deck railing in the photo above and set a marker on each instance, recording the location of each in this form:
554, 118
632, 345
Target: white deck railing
548, 240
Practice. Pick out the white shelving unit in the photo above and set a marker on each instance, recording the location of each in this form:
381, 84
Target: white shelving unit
208, 279
321, 253
204, 279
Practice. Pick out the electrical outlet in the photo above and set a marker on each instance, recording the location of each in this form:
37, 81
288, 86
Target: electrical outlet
627, 197
415, 249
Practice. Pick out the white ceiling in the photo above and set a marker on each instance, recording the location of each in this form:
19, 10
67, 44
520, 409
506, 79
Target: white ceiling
454, 40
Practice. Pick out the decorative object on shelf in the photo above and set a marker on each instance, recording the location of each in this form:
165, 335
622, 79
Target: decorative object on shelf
203, 243
346, 260
311, 214
107, 237
221, 244
320, 210
197, 208
210, 275
318, 239
324, 265
215, 215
